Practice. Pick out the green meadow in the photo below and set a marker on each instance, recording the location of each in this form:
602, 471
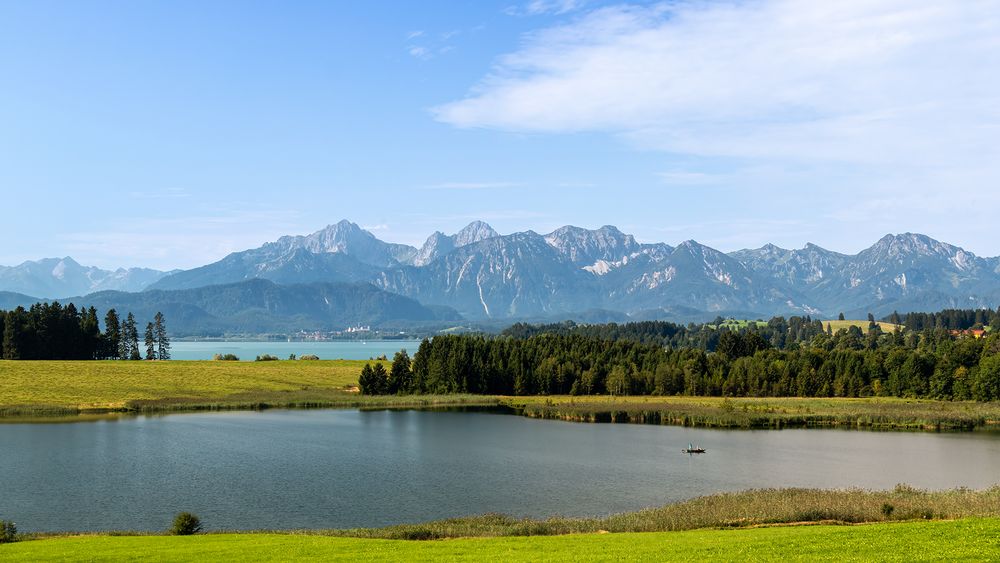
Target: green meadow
47, 387
85, 388
969, 540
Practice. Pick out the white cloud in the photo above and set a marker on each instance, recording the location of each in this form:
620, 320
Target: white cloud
862, 81
872, 115
538, 7
419, 52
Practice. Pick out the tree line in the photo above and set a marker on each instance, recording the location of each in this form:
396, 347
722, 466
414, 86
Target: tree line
51, 331
932, 363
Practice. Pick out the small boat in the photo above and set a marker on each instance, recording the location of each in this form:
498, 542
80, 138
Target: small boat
692, 449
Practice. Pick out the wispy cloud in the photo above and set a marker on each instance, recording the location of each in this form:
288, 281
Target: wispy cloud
863, 100
426, 45
538, 7
419, 52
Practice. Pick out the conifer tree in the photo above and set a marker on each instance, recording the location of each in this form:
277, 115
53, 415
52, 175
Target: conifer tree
129, 346
160, 335
400, 376
150, 342
112, 335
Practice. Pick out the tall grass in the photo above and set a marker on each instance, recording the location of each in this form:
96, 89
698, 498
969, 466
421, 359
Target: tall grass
760, 507
725, 510
885, 414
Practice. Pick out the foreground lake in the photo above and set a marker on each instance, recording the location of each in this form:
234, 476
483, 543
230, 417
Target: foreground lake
330, 350
348, 468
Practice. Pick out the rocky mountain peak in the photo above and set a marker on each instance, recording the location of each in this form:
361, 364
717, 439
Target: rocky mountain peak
474, 232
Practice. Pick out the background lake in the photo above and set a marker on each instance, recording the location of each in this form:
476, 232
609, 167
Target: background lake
349, 468
343, 349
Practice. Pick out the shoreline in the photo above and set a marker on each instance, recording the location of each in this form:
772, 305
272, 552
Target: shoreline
752, 413
754, 508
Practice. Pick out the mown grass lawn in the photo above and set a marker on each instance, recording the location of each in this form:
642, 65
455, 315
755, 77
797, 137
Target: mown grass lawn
969, 540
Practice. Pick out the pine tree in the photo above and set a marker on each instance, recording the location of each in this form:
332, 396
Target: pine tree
160, 335
381, 379
150, 342
366, 381
129, 345
400, 376
11, 334
112, 335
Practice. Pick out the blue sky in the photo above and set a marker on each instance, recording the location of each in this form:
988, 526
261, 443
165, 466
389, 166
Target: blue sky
168, 134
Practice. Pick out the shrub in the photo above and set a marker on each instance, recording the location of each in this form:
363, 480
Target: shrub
226, 357
8, 532
185, 524
309, 357
266, 358
291, 356
887, 509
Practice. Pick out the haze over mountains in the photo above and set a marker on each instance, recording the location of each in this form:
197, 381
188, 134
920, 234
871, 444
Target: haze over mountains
568, 273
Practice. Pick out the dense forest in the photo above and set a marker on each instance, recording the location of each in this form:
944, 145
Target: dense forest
794, 357
779, 332
50, 331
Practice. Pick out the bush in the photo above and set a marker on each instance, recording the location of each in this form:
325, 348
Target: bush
226, 357
309, 357
266, 358
185, 524
8, 532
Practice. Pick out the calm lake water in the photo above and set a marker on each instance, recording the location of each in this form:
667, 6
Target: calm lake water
344, 468
346, 350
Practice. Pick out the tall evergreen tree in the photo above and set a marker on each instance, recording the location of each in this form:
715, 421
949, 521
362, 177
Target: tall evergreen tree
150, 342
400, 376
112, 335
129, 348
160, 335
11, 334
366, 381
381, 379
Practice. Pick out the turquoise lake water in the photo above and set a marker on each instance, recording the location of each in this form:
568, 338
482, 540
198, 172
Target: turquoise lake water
346, 350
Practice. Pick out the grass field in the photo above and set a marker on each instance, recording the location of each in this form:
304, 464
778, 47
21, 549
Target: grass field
54, 388
863, 325
882, 412
67, 387
970, 540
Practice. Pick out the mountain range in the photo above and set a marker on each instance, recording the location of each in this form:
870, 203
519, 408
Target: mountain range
60, 277
573, 272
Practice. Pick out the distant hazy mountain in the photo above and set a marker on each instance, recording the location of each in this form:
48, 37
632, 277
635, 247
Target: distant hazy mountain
485, 275
59, 277
260, 306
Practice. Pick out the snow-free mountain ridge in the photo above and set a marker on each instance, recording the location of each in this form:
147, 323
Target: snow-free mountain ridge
484, 274
526, 275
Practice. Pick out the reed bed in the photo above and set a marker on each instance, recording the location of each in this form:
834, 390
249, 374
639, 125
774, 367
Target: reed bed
761, 507
714, 412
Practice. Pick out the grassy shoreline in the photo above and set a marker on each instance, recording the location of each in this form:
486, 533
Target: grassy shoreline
765, 413
44, 390
745, 509
968, 540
